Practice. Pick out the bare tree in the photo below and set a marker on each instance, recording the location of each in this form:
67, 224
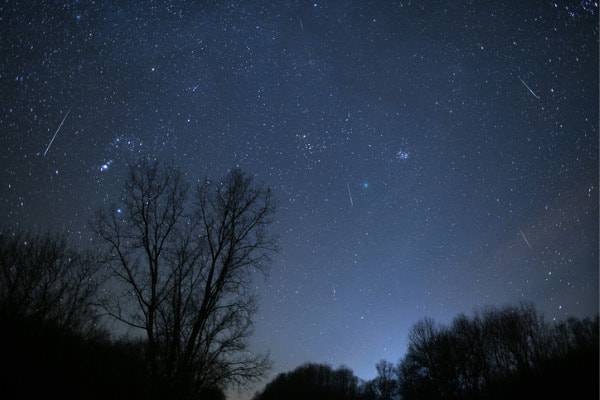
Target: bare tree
497, 352
386, 384
42, 278
184, 263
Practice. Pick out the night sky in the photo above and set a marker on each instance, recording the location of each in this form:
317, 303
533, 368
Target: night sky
427, 158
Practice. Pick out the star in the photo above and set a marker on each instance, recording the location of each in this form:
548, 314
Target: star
402, 155
104, 167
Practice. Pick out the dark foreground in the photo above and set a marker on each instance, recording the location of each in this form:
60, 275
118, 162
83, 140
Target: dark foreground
500, 354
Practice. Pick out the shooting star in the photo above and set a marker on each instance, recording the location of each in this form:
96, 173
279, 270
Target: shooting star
525, 239
350, 195
56, 133
528, 88
301, 24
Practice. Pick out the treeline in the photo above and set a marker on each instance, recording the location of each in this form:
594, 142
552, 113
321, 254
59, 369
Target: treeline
49, 338
172, 262
51, 341
499, 353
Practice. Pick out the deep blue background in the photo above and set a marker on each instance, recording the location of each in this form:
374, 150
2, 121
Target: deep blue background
467, 188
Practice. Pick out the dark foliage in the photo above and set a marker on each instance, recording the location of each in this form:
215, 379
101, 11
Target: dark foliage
312, 381
43, 357
501, 353
42, 278
50, 343
497, 354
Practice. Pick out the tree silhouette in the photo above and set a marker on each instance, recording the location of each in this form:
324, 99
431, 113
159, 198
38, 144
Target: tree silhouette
386, 384
42, 278
497, 354
312, 381
180, 264
49, 338
183, 263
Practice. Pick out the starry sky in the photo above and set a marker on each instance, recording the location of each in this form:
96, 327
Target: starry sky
428, 158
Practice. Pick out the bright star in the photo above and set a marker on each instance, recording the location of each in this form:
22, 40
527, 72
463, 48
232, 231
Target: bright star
104, 167
402, 155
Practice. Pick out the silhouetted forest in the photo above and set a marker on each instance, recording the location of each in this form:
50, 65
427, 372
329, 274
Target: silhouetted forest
174, 262
171, 262
51, 339
499, 353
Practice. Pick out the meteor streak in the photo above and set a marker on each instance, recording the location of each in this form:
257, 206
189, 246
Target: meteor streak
56, 133
525, 239
528, 88
350, 195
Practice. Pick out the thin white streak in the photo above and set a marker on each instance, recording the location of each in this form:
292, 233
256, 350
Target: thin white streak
525, 239
350, 195
528, 88
56, 133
